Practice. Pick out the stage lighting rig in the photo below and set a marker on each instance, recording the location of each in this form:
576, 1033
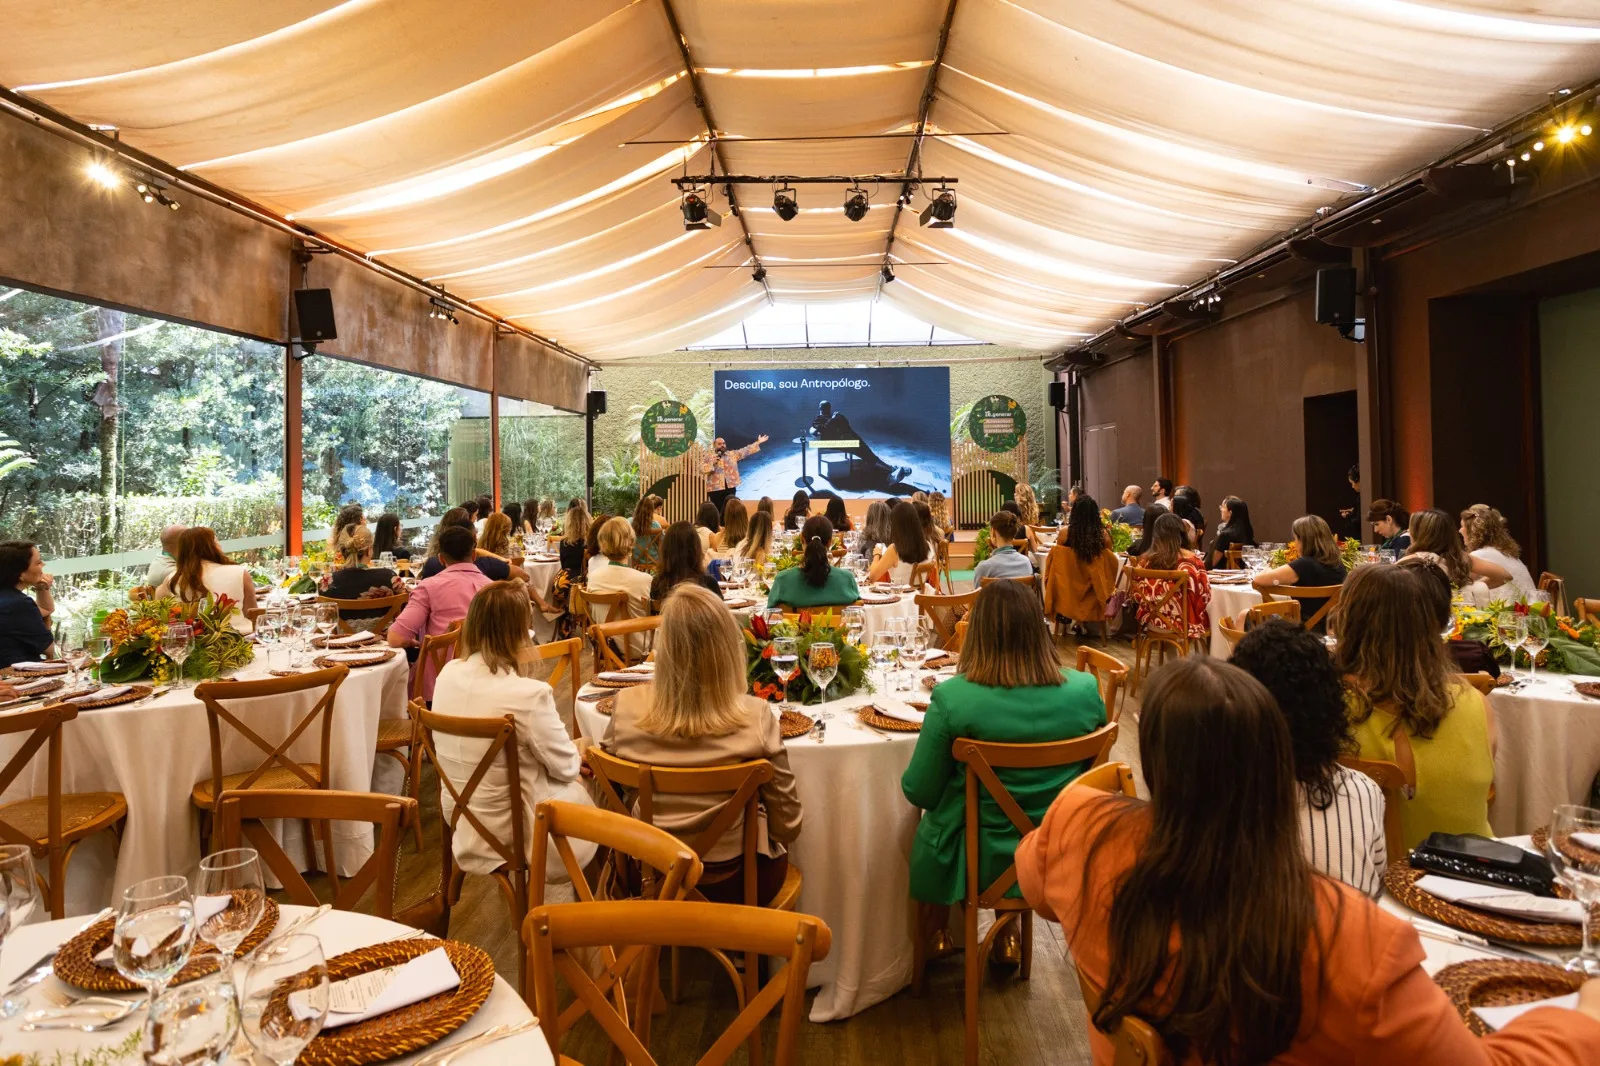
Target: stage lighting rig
887, 273
785, 204
855, 203
697, 213
759, 275
941, 210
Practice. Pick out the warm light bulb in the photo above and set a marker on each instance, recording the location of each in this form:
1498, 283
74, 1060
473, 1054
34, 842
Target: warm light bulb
149, 197
101, 174
1526, 156
1586, 129
1538, 146
1565, 134
172, 205
1511, 162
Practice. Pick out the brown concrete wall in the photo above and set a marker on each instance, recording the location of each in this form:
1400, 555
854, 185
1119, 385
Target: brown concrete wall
528, 370
1122, 394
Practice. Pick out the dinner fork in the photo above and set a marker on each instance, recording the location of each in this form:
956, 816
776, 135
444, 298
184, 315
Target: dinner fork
445, 1056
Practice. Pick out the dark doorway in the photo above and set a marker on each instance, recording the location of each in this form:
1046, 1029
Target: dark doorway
1333, 446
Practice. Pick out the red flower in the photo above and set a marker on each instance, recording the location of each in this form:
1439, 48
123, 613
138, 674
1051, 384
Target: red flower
758, 626
766, 653
763, 690
805, 619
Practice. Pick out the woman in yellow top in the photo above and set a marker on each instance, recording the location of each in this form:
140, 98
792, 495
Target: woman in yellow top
1410, 706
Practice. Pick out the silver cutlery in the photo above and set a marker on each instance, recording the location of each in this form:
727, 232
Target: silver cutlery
298, 924
41, 969
444, 1056
1448, 935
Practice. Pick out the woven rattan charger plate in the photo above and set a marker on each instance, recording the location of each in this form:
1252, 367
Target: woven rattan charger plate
371, 660
134, 694
869, 716
1501, 983
320, 641
605, 705
601, 682
1541, 841
75, 963
55, 683
1401, 878
401, 1031
793, 724
879, 599
56, 669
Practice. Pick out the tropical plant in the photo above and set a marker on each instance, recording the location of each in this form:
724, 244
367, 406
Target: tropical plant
136, 632
616, 481
811, 626
12, 457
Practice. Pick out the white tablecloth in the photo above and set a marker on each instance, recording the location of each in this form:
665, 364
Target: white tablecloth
542, 578
339, 932
1549, 751
854, 852
154, 753
1226, 602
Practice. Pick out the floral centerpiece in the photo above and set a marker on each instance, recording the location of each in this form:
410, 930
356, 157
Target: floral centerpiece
1122, 534
1574, 646
823, 625
789, 558
135, 632
1349, 553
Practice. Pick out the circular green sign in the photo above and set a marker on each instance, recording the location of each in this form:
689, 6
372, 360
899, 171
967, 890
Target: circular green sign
997, 423
668, 428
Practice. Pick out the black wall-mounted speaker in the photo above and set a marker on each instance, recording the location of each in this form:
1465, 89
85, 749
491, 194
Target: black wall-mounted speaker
313, 312
597, 402
1336, 296
1058, 394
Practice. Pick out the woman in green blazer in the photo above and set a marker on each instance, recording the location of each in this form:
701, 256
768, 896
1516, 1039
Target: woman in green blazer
1011, 689
816, 582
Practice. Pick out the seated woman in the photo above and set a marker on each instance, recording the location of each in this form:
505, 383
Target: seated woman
199, 569
1409, 704
350, 516
707, 523
495, 539
1147, 532
697, 711
530, 516
25, 622
513, 511
547, 513
930, 529
1080, 573
757, 543
908, 546
1026, 504
1340, 810
646, 533
493, 567
939, 508
1471, 656
836, 514
765, 506
615, 575
388, 537
1011, 689
1317, 975
735, 524
592, 551
1167, 552
484, 680
574, 536
1434, 532
799, 510
357, 578
682, 560
1318, 563
875, 534
1235, 531
816, 582
1484, 532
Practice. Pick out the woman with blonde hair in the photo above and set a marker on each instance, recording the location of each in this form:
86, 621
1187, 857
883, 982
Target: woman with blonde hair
356, 577
485, 680
1318, 563
574, 536
757, 541
697, 712
941, 515
615, 575
200, 569
735, 524
1484, 532
495, 539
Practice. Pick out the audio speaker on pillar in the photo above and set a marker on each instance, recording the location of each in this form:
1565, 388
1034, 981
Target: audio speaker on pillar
313, 311
1058, 394
1336, 296
597, 402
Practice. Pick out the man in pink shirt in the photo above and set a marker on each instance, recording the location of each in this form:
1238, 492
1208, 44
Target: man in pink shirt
442, 599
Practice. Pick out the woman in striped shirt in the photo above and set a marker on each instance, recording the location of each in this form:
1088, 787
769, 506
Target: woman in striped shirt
1341, 810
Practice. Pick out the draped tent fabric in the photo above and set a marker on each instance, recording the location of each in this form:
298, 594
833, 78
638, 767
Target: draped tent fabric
520, 154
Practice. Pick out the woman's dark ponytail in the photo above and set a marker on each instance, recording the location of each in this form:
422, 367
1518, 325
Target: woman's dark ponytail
817, 535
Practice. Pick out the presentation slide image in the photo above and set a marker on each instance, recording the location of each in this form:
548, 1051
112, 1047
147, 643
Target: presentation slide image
898, 419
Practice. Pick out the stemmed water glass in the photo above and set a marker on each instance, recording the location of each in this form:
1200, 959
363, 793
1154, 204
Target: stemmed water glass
195, 1025
175, 644
19, 894
99, 650
154, 932
785, 665
883, 655
304, 618
76, 654
913, 652
822, 665
327, 619
1534, 641
1574, 850
1512, 629
386, 559
855, 623
284, 997
235, 873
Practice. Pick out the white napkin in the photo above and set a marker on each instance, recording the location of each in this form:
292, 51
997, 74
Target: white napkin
35, 686
28, 666
106, 693
1588, 840
1508, 901
622, 675
305, 597
353, 638
1500, 1017
205, 909
641, 668
896, 709
349, 656
424, 976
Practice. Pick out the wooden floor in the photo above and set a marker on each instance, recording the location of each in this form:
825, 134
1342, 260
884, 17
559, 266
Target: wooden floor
1039, 1021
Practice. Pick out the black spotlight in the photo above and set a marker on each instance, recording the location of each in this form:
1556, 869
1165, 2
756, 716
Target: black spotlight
855, 204
697, 214
759, 274
941, 212
785, 204
888, 273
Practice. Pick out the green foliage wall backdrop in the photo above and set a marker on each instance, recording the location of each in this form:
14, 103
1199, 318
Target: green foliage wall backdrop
632, 389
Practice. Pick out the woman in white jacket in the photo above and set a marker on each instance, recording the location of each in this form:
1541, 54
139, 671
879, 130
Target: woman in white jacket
484, 681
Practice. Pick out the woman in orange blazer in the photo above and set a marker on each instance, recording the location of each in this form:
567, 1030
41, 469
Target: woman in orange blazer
1080, 573
1198, 913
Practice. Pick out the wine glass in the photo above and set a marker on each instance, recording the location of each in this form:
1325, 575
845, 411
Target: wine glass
1538, 635
284, 998
855, 623
1574, 850
822, 666
327, 617
785, 665
305, 624
76, 655
175, 646
19, 895
234, 873
386, 559
913, 652
1512, 630
291, 568
154, 932
99, 651
194, 1025
774, 617
883, 655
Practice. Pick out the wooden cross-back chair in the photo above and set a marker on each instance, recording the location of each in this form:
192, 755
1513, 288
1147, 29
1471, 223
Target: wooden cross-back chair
982, 759
647, 552
668, 870
945, 612
1110, 673
1301, 593
925, 575
1114, 777
568, 657
1231, 632
1135, 1041
239, 818
941, 557
555, 936
1397, 790
1152, 632
391, 606
1556, 586
500, 736
52, 825
1235, 557
741, 782
277, 770
1030, 580
437, 649
1288, 610
1043, 536
958, 638
1586, 610
606, 655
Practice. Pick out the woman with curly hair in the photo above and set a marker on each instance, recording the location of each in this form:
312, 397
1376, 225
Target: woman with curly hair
1027, 503
647, 533
1341, 810
1433, 531
1484, 532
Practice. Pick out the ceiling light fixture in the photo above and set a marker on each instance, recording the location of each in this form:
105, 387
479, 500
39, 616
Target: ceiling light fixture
941, 210
785, 204
759, 274
697, 213
855, 203
440, 309
888, 273
1565, 134
103, 173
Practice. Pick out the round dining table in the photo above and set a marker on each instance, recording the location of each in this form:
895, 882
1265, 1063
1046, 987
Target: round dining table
541, 571
339, 932
1549, 750
854, 848
1228, 600
155, 750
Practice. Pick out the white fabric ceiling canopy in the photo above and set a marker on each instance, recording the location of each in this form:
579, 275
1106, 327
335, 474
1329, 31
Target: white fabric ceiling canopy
521, 153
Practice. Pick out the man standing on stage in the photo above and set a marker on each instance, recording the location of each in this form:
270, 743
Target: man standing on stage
829, 426
722, 469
